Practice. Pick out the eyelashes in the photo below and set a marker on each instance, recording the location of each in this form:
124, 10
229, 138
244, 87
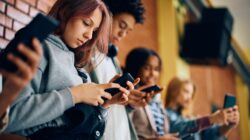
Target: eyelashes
123, 25
86, 23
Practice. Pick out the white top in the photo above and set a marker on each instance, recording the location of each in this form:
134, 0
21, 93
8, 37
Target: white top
105, 69
117, 126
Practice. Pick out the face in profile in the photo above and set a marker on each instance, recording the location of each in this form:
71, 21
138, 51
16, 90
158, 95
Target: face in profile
122, 24
150, 72
79, 30
186, 95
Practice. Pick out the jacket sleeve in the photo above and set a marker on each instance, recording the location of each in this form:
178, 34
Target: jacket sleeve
187, 126
32, 108
212, 133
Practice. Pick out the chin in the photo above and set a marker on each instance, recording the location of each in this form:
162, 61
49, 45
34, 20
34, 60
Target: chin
73, 46
185, 106
115, 42
151, 82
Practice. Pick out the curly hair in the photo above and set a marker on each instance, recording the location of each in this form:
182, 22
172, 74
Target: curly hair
133, 7
134, 63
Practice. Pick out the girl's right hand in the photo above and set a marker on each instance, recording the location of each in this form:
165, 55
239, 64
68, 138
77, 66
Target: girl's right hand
15, 82
91, 93
221, 117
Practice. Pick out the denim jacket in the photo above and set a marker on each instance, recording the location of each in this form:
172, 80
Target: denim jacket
192, 129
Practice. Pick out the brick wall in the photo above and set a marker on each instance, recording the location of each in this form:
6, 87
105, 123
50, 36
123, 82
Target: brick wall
15, 14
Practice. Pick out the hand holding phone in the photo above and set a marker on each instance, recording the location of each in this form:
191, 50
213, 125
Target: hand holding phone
154, 88
229, 101
39, 27
122, 81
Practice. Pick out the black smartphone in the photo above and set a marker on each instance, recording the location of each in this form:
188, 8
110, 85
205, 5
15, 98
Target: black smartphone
229, 101
154, 88
40, 27
122, 81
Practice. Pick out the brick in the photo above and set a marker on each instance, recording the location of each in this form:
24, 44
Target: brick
3, 43
2, 6
9, 34
22, 6
1, 30
17, 25
6, 21
17, 15
11, 1
31, 2
43, 6
33, 12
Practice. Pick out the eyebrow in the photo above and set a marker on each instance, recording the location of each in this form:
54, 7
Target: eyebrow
96, 28
126, 24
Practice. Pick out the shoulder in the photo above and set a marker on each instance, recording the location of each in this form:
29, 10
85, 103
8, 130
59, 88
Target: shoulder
54, 41
172, 115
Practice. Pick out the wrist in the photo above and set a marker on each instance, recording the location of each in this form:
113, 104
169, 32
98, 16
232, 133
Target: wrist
131, 106
106, 105
212, 119
74, 94
9, 97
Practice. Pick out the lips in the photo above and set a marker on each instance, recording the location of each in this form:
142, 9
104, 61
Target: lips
116, 39
150, 80
80, 42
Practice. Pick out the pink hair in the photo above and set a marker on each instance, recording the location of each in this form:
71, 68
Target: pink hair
63, 10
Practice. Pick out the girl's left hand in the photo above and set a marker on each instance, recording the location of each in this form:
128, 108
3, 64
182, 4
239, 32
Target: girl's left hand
119, 98
138, 98
122, 96
235, 118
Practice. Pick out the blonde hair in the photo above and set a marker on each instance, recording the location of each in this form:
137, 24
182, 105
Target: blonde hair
174, 88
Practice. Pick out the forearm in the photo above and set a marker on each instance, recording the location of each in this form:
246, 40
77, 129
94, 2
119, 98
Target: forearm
6, 99
203, 123
3, 105
189, 126
36, 109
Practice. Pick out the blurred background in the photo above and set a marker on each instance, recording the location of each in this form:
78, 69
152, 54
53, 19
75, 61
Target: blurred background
166, 30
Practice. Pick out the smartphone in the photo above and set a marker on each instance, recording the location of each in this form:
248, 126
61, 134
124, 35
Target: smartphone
40, 27
229, 101
122, 81
154, 88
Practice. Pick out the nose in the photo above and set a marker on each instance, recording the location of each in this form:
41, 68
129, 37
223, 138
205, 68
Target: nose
189, 97
88, 35
122, 34
153, 72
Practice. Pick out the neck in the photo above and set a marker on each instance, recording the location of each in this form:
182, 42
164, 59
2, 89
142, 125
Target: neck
174, 106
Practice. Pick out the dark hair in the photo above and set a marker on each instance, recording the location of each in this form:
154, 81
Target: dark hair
133, 7
63, 10
137, 58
